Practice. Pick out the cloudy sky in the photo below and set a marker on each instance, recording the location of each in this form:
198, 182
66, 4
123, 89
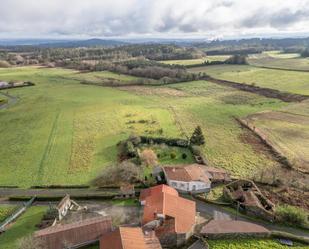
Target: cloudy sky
153, 18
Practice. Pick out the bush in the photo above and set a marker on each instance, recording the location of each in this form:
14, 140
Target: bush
125, 172
148, 157
291, 215
184, 156
173, 155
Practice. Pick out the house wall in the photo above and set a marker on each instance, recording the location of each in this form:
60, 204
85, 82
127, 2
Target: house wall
192, 187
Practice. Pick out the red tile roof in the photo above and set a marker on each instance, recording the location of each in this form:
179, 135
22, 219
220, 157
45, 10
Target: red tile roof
157, 189
128, 238
75, 233
187, 173
168, 203
232, 227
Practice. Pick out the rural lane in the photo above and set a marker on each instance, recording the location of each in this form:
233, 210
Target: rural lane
218, 213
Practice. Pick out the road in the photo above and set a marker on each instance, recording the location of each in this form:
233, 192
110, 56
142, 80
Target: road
218, 213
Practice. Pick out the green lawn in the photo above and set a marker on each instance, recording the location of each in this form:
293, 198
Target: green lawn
250, 243
286, 81
24, 226
64, 132
172, 155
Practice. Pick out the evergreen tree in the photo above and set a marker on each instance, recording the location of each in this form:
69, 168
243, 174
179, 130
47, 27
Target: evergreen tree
197, 137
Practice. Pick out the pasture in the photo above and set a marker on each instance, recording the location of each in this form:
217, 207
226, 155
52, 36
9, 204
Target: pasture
64, 132
275, 59
285, 81
287, 131
190, 62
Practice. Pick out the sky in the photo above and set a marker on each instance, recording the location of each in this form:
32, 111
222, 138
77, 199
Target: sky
206, 19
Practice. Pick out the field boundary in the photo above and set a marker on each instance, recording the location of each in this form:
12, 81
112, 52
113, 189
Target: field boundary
267, 92
281, 69
277, 154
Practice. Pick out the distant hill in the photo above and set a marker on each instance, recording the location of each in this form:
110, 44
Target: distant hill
83, 43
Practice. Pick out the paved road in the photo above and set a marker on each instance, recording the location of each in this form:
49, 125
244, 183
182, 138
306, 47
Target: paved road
218, 213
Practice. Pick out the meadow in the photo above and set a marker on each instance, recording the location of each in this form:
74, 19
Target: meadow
64, 132
276, 59
287, 131
190, 62
285, 81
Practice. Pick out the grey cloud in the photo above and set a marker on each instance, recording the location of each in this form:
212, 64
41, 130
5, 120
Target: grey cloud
156, 17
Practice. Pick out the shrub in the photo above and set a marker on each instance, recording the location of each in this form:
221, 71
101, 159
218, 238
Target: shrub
291, 215
173, 155
184, 156
125, 172
148, 157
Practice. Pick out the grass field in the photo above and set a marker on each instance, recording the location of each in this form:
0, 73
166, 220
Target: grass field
191, 62
288, 132
275, 59
63, 132
249, 243
286, 81
5, 211
24, 226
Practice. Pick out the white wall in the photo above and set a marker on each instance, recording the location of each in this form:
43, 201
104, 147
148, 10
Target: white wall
188, 186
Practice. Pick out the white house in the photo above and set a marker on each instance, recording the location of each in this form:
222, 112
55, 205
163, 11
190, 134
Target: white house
189, 179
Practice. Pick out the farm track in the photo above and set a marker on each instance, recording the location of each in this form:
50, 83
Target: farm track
48, 148
267, 92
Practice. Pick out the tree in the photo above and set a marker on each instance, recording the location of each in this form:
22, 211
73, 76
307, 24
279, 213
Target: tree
125, 172
148, 157
197, 137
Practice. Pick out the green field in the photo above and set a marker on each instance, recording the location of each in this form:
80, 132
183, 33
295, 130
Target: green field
250, 243
64, 132
275, 59
24, 226
5, 211
286, 81
288, 131
191, 62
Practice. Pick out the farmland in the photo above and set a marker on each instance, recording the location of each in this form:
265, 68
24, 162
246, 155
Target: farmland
64, 132
191, 62
275, 59
287, 131
286, 81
